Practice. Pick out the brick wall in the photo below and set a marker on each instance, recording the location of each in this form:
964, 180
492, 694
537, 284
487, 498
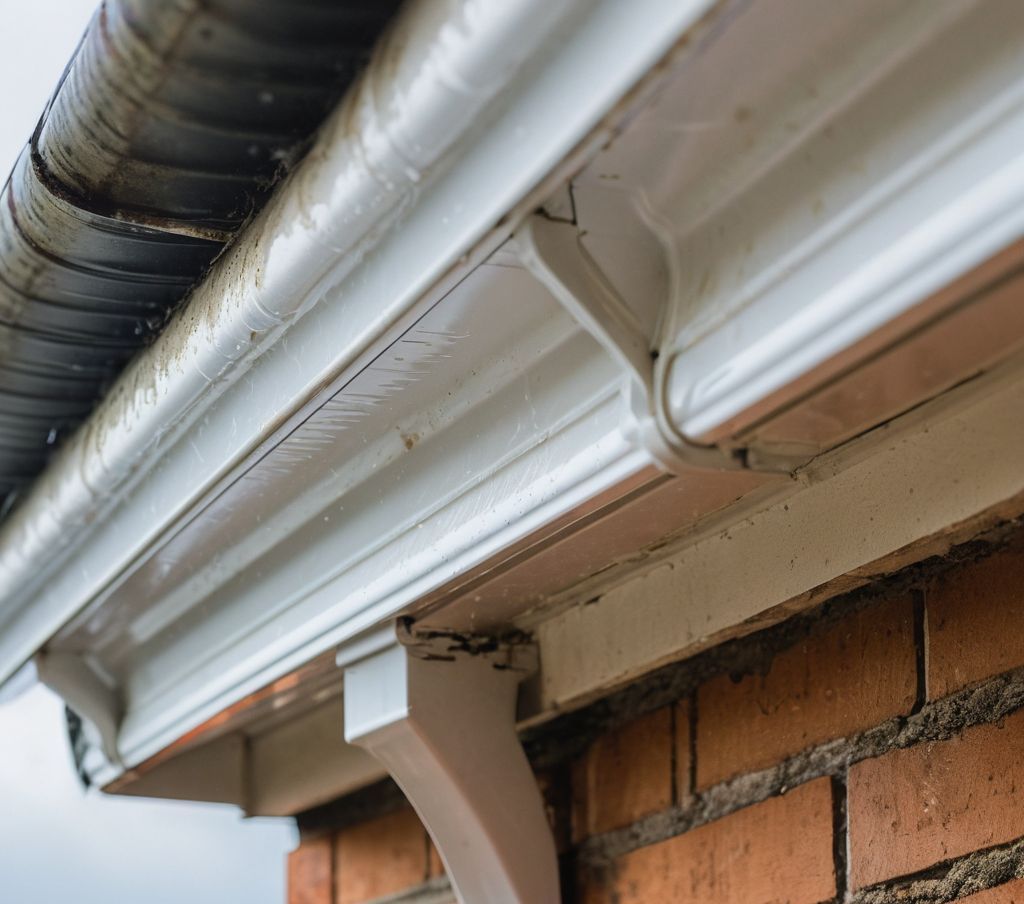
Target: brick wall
382, 857
869, 751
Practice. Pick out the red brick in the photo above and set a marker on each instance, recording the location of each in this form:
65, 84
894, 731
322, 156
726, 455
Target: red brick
311, 872
1010, 893
435, 865
624, 775
556, 792
912, 808
859, 673
974, 618
683, 753
775, 852
381, 857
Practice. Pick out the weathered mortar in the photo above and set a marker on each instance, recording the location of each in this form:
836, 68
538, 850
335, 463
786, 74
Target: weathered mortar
951, 881
997, 698
934, 722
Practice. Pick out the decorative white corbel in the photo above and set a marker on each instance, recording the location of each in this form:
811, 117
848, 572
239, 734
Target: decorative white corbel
551, 250
439, 714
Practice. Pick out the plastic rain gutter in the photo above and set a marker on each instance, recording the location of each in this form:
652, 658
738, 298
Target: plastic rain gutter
436, 72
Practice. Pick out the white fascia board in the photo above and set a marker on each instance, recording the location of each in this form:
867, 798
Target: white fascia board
66, 546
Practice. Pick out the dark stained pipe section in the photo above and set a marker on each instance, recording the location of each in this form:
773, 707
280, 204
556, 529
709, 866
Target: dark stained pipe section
171, 125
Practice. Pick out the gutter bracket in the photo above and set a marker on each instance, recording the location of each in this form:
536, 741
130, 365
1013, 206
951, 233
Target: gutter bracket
439, 713
551, 250
71, 677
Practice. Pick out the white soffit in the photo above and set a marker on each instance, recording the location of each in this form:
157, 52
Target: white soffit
795, 150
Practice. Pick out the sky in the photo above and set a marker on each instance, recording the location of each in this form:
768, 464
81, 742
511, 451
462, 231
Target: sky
58, 842
39, 39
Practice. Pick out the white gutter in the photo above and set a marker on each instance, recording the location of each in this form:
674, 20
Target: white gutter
425, 95
436, 425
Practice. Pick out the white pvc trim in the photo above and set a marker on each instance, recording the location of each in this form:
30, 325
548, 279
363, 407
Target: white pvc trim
442, 721
377, 159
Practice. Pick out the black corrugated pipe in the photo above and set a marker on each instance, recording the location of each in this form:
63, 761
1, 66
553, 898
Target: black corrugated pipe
171, 124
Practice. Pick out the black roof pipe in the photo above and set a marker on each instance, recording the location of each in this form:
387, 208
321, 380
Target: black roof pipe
168, 130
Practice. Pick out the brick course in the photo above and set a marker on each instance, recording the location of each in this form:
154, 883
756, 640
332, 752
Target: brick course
381, 857
912, 808
624, 775
776, 852
974, 622
683, 753
856, 675
311, 873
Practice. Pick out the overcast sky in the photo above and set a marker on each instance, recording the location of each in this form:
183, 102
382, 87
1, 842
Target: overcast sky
39, 39
58, 843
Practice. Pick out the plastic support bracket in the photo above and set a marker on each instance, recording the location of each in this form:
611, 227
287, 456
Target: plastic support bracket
439, 713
